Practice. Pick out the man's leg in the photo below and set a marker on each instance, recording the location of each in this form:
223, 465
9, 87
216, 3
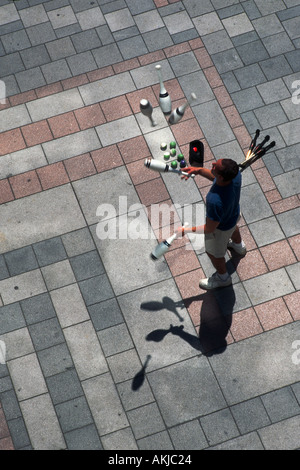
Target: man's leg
236, 236
218, 263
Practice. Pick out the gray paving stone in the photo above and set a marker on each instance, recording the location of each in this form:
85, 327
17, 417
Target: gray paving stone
53, 105
237, 24
247, 99
60, 389
14, 117
250, 415
105, 314
55, 360
20, 261
69, 305
115, 339
177, 22
184, 64
86, 40
29, 79
226, 61
87, 265
293, 60
15, 41
107, 55
11, 64
289, 222
266, 231
19, 433
140, 6
217, 42
280, 404
33, 15
90, 18
219, 426
155, 40
270, 115
58, 275
118, 440
245, 38
274, 90
60, 48
250, 441
268, 25
78, 242
81, 62
249, 76
62, 17
27, 377
188, 436
110, 87
145, 420
290, 132
56, 71
132, 47
85, 350
158, 441
36, 412
3, 269
46, 334
9, 14
35, 56
192, 381
96, 289
73, 414
22, 286
288, 183
10, 405
283, 435
119, 19
254, 204
292, 27
278, 44
267, 7
85, 438
255, 53
151, 20
102, 397
49, 251
276, 67
96, 195
132, 397
256, 354
213, 123
71, 145
11, 318
294, 273
38, 308
105, 34
124, 366
268, 286
41, 33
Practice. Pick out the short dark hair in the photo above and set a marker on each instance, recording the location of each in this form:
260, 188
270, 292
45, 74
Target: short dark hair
229, 169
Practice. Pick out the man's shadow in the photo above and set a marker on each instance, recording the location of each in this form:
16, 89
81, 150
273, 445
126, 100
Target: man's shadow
215, 317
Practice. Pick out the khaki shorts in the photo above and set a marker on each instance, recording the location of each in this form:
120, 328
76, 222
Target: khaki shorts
216, 242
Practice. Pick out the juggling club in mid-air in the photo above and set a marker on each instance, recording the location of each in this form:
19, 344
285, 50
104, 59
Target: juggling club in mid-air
147, 110
178, 113
164, 97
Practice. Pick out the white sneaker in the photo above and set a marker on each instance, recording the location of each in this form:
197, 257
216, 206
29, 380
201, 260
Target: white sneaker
214, 282
238, 248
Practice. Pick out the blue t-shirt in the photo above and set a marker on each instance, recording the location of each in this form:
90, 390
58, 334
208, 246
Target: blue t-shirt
223, 203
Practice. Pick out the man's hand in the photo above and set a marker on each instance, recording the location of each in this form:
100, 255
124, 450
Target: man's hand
190, 170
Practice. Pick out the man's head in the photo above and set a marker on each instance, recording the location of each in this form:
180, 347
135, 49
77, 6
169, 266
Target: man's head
225, 170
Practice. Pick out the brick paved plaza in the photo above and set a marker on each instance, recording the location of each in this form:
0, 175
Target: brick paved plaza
102, 348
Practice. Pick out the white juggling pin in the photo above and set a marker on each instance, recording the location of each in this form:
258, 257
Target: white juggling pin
178, 113
162, 167
146, 109
163, 247
164, 97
